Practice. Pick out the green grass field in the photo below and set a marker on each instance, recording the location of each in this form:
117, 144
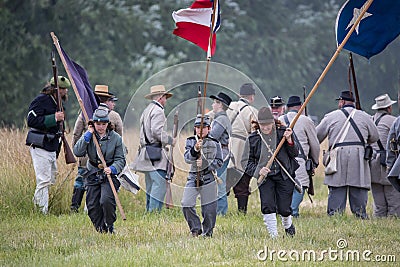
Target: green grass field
28, 238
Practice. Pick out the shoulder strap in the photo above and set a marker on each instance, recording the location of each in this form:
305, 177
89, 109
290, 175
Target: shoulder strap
381, 148
379, 119
237, 113
354, 126
296, 140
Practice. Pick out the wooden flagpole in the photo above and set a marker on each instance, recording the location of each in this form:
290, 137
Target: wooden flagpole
209, 52
99, 153
321, 77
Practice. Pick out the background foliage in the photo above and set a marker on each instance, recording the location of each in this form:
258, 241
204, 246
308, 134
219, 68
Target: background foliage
281, 45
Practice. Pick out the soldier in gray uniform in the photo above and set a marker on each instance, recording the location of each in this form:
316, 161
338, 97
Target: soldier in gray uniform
99, 197
204, 155
353, 176
386, 198
221, 129
306, 138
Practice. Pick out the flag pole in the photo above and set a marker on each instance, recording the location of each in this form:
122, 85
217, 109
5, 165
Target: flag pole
99, 153
209, 53
318, 82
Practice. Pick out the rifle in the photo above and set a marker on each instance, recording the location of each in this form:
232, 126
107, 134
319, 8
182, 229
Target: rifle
304, 99
199, 111
310, 171
170, 166
69, 156
353, 74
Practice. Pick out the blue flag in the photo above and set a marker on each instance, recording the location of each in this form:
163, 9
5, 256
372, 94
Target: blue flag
379, 26
83, 86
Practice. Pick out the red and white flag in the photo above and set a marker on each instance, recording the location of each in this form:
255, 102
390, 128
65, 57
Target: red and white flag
194, 23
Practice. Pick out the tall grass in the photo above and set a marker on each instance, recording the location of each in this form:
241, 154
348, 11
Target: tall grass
28, 238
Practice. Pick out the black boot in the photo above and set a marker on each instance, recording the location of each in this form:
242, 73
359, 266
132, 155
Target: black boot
291, 231
77, 197
242, 204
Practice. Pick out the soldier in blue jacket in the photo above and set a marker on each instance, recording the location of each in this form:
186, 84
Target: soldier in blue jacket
100, 199
204, 155
44, 139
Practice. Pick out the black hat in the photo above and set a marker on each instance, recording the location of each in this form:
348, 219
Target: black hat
247, 89
265, 115
276, 101
346, 95
293, 101
224, 98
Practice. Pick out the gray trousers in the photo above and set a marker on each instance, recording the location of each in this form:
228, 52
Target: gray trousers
386, 200
208, 198
358, 198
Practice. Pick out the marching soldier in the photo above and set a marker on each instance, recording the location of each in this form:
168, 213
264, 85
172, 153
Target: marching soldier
204, 155
276, 191
107, 100
353, 174
305, 136
241, 114
43, 138
221, 130
100, 199
386, 198
152, 157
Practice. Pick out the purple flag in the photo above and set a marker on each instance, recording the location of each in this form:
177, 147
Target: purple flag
83, 87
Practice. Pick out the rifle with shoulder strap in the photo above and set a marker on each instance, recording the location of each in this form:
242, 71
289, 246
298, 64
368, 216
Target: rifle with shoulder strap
69, 156
170, 166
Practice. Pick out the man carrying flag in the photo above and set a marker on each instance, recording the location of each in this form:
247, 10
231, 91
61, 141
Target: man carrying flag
43, 138
194, 23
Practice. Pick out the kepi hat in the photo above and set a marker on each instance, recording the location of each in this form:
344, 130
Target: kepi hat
101, 115
247, 89
206, 120
346, 95
293, 101
157, 90
276, 101
383, 101
224, 98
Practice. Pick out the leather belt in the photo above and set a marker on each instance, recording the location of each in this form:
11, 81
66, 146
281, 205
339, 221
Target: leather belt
348, 144
239, 137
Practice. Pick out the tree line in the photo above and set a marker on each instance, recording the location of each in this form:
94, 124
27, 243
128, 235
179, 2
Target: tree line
282, 45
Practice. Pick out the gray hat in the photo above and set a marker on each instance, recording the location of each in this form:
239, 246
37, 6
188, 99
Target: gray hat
383, 101
247, 89
101, 115
265, 115
206, 120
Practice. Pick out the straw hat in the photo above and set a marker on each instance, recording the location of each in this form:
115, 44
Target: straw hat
383, 101
157, 90
102, 90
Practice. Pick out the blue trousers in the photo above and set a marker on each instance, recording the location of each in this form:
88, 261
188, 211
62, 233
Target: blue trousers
222, 204
155, 189
296, 200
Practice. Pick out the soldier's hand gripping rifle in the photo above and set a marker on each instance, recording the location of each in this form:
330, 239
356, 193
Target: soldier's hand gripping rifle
170, 166
69, 156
